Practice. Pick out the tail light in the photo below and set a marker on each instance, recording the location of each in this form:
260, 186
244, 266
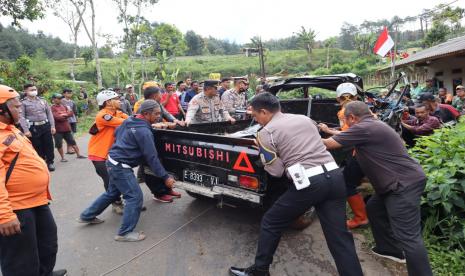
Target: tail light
248, 182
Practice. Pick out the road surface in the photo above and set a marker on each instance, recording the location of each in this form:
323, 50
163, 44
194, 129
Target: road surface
187, 237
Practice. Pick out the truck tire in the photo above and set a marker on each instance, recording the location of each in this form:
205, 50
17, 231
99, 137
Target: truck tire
304, 220
198, 196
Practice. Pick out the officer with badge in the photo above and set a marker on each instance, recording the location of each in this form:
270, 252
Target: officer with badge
291, 145
38, 124
207, 107
236, 98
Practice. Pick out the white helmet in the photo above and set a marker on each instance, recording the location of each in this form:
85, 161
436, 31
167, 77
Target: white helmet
105, 95
346, 88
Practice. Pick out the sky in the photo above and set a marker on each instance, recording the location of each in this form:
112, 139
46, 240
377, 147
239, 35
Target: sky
239, 20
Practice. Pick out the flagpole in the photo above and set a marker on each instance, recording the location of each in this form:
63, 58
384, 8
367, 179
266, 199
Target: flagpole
393, 58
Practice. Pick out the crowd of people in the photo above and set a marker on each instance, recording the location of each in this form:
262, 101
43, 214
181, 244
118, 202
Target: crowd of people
122, 139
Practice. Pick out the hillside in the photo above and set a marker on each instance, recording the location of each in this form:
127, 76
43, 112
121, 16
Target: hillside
199, 67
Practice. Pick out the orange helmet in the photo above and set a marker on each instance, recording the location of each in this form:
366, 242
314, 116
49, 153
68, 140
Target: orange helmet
7, 93
150, 84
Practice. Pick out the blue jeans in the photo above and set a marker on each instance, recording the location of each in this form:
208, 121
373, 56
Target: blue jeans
122, 181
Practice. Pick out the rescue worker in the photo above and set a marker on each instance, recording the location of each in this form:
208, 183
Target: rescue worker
106, 121
134, 144
290, 145
398, 181
353, 174
28, 233
38, 124
207, 106
235, 98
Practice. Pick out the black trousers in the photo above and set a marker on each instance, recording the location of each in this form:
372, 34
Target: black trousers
42, 140
327, 193
33, 251
395, 221
353, 175
101, 170
156, 185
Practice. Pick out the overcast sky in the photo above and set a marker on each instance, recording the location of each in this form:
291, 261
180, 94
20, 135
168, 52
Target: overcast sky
239, 20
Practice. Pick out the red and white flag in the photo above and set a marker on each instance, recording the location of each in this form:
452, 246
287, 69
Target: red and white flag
384, 43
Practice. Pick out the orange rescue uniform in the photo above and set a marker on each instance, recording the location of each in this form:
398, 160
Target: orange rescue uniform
29, 180
107, 120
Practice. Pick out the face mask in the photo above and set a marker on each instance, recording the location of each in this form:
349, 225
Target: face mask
32, 93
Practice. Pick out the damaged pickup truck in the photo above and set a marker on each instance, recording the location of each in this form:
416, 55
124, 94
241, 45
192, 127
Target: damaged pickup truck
220, 161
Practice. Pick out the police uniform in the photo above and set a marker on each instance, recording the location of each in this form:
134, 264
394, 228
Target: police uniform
37, 117
288, 141
203, 109
233, 100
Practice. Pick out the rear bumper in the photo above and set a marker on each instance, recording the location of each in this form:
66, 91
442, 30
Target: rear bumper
219, 191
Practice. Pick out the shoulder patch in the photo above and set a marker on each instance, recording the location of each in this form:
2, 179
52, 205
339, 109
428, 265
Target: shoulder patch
107, 117
267, 156
8, 140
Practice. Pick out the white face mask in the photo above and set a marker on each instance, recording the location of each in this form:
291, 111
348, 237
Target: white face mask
32, 93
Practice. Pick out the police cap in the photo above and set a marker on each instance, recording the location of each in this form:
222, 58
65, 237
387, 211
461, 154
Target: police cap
210, 83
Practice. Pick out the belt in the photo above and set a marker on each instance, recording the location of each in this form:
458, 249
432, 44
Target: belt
39, 123
116, 163
321, 169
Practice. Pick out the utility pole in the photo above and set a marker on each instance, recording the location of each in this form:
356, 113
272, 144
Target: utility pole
257, 41
394, 56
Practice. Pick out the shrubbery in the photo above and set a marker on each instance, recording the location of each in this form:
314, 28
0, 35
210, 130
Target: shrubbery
442, 156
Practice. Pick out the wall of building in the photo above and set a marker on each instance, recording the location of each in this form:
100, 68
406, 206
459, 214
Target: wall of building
442, 71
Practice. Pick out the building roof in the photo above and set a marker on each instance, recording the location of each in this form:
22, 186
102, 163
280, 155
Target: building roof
448, 48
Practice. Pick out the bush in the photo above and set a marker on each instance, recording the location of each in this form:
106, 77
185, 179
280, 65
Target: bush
442, 157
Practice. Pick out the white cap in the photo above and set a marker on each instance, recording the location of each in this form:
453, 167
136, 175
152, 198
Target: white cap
346, 88
105, 95
129, 85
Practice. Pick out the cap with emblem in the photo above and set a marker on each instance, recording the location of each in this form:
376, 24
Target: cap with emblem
129, 86
147, 105
57, 96
7, 93
460, 87
210, 83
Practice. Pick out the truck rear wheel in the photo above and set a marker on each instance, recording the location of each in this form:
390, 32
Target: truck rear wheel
304, 220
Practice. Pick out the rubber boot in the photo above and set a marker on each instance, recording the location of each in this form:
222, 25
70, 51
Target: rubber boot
358, 208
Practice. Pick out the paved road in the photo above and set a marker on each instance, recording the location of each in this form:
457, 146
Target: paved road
208, 245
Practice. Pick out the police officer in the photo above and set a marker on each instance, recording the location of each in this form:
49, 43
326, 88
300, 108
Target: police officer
290, 145
235, 98
207, 106
38, 124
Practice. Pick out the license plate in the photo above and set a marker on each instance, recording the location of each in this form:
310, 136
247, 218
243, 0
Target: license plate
200, 178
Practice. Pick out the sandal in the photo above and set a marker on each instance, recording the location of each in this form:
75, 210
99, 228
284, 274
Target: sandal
131, 237
81, 157
63, 160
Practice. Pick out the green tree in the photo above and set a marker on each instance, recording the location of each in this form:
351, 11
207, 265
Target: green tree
437, 34
169, 39
194, 43
87, 55
307, 40
21, 9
